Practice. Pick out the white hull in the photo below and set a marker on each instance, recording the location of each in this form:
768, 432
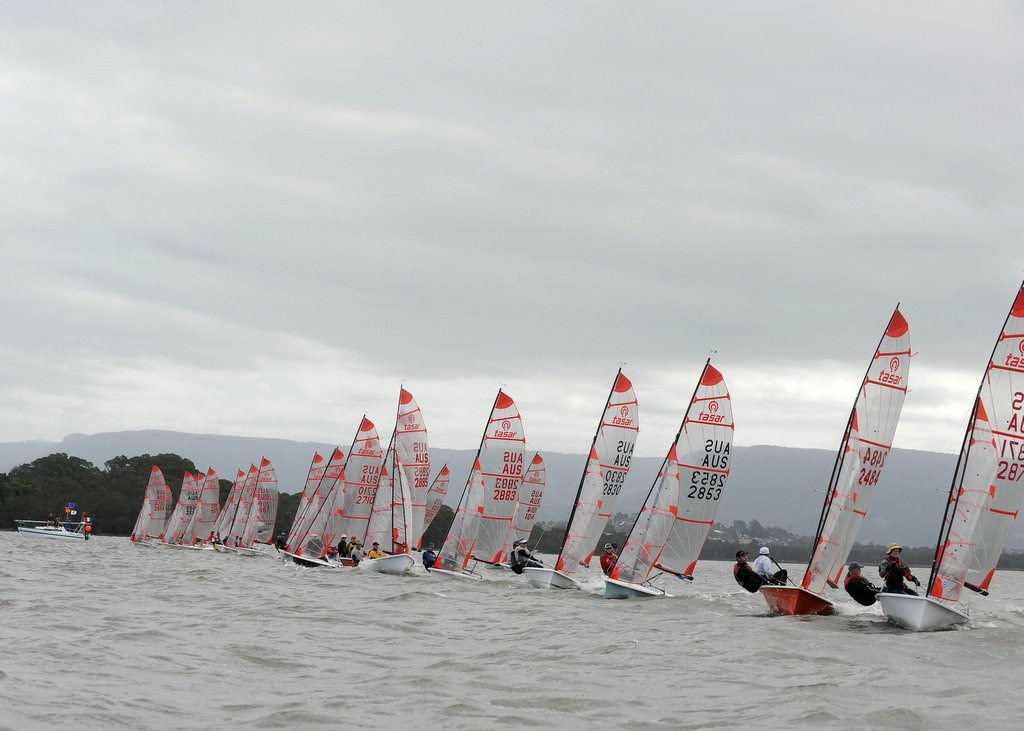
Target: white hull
305, 561
919, 613
461, 575
616, 589
50, 532
545, 578
397, 565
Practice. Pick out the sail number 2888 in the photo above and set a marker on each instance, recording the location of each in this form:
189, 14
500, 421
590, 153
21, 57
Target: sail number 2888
706, 485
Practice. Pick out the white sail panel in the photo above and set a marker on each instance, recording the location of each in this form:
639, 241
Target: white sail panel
1002, 393
862, 456
362, 475
613, 444
501, 469
181, 516
154, 488
457, 547
207, 510
413, 453
577, 548
259, 528
704, 450
245, 499
378, 527
970, 501
531, 492
646, 541
303, 514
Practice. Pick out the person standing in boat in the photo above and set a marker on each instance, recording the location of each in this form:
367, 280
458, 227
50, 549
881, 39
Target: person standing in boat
745, 575
521, 557
608, 558
429, 557
893, 571
763, 568
857, 586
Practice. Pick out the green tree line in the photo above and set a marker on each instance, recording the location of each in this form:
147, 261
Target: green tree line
112, 496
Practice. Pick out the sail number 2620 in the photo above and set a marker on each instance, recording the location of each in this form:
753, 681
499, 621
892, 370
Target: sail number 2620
706, 485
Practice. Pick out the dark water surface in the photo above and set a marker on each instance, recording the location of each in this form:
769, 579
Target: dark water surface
108, 635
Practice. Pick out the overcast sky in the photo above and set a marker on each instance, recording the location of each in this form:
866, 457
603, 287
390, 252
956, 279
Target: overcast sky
261, 219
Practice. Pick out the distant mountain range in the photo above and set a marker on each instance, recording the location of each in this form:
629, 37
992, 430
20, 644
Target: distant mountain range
777, 486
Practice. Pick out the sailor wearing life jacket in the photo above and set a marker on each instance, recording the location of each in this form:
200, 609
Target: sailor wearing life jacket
894, 571
746, 576
857, 586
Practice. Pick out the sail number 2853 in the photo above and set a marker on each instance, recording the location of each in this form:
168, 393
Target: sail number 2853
706, 485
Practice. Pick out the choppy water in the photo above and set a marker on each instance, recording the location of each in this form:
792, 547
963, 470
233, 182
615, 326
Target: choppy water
108, 635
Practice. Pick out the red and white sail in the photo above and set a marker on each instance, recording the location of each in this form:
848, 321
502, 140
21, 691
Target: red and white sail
204, 518
501, 470
245, 500
457, 547
531, 492
362, 474
413, 454
311, 499
259, 528
613, 447
180, 517
378, 527
988, 487
862, 455
646, 541
227, 515
152, 516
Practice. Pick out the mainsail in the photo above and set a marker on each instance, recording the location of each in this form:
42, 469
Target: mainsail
862, 455
259, 528
607, 466
245, 500
501, 470
362, 474
204, 517
531, 492
491, 492
988, 485
310, 500
153, 514
227, 515
181, 516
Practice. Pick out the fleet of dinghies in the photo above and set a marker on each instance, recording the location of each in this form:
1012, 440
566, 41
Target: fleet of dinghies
385, 497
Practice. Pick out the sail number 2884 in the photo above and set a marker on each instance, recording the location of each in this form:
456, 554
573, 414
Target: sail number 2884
706, 485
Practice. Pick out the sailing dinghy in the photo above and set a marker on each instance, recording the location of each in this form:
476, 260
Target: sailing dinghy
152, 520
608, 461
398, 523
680, 509
984, 496
310, 538
489, 498
855, 474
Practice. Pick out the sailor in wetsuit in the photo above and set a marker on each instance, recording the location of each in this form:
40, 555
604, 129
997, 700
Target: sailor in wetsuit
521, 557
862, 590
746, 576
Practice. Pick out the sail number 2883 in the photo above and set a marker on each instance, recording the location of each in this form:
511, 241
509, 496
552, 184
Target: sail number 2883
706, 485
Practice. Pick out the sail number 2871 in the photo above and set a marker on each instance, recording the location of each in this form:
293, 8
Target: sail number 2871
706, 485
